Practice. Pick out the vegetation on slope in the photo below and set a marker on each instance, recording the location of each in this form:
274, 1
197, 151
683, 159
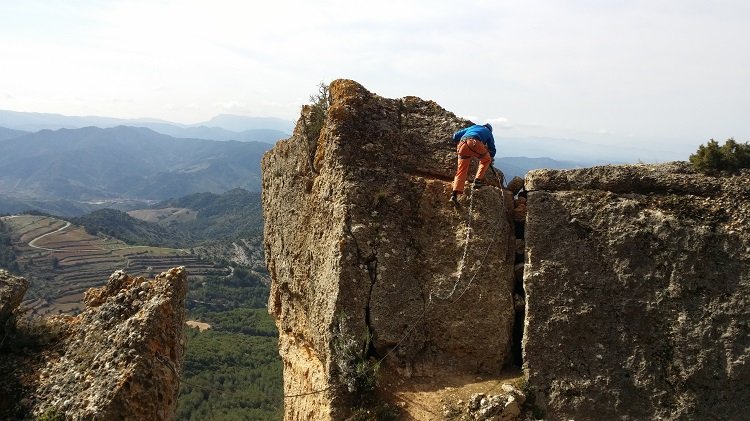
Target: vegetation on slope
234, 214
7, 254
318, 112
133, 231
731, 156
232, 371
228, 216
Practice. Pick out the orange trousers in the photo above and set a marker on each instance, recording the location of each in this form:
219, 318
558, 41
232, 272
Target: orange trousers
467, 149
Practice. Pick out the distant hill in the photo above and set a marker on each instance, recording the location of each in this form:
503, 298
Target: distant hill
218, 133
586, 153
519, 165
233, 214
200, 218
124, 162
10, 133
133, 231
240, 123
10, 205
221, 127
33, 122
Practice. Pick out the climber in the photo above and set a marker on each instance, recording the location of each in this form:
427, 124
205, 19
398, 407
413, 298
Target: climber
472, 142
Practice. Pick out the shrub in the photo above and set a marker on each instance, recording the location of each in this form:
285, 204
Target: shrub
730, 157
318, 112
356, 370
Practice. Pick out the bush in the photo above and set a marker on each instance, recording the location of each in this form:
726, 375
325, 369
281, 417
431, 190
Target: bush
318, 112
730, 157
356, 370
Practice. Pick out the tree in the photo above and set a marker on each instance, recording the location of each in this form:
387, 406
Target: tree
314, 120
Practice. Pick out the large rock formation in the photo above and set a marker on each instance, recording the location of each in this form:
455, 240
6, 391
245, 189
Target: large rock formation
361, 242
119, 359
638, 289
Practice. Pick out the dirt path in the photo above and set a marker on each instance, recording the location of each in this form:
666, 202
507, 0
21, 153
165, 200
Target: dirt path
31, 243
439, 397
198, 325
67, 225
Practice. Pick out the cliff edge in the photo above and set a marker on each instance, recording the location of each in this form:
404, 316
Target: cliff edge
119, 359
370, 264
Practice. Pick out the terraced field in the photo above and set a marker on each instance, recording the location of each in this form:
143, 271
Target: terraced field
62, 260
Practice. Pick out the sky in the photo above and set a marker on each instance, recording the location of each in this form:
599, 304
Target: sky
661, 75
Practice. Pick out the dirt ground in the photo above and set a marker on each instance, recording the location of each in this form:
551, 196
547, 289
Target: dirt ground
441, 397
198, 325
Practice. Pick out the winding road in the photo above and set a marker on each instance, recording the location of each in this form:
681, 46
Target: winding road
31, 243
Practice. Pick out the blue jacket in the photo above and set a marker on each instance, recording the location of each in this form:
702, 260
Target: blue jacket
480, 132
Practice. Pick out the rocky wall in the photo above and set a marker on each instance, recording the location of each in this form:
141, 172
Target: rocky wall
638, 288
362, 243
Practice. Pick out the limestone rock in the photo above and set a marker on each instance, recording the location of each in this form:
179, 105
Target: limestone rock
12, 290
357, 226
119, 359
637, 289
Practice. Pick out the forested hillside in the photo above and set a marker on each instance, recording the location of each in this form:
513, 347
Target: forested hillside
7, 254
233, 214
206, 217
233, 370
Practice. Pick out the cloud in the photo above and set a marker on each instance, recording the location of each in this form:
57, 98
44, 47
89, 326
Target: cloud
231, 105
500, 123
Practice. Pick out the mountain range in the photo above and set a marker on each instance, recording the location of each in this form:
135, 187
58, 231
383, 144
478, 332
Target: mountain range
222, 127
97, 164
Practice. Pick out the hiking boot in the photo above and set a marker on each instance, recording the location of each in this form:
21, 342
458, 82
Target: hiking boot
478, 184
454, 198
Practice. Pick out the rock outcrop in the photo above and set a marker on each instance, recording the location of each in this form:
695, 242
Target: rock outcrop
361, 243
119, 359
12, 290
638, 289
